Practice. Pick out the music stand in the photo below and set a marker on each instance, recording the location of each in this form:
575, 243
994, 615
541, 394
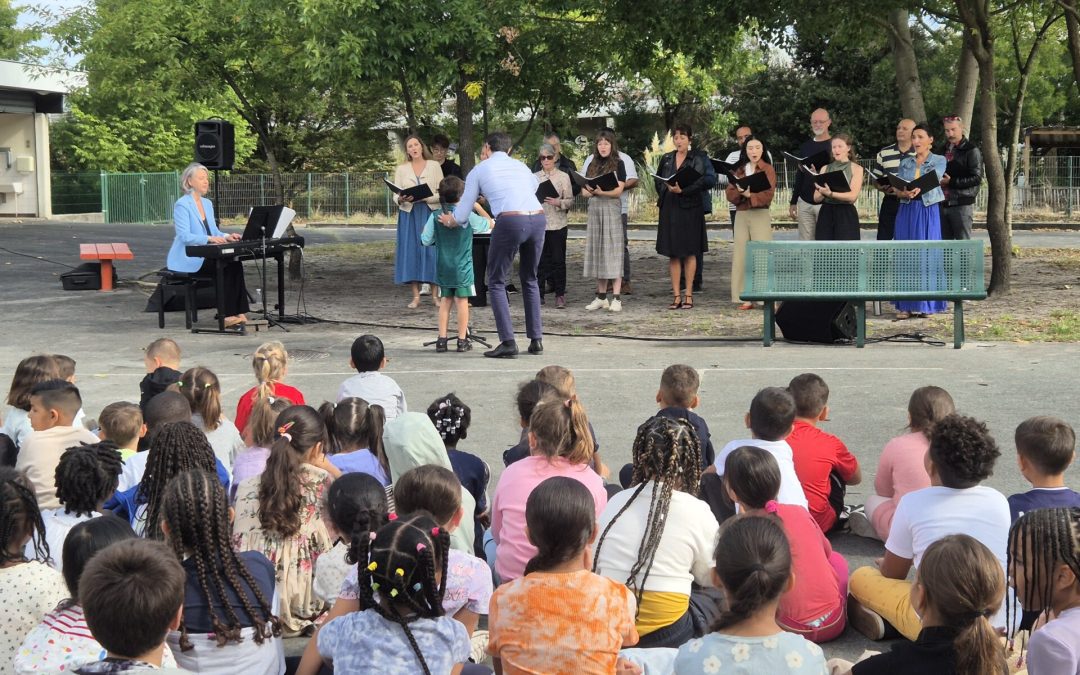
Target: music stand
261, 221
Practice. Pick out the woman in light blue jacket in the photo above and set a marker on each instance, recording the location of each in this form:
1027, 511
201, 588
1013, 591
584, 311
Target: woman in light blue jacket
919, 217
193, 219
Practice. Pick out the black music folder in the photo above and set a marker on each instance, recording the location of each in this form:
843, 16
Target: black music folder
834, 180
723, 168
755, 182
417, 192
607, 182
925, 182
880, 179
816, 160
684, 177
547, 189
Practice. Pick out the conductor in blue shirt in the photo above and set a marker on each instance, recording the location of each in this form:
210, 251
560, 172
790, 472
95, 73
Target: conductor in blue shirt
510, 189
193, 220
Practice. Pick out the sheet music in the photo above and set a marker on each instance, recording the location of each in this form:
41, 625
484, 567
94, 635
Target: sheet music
283, 222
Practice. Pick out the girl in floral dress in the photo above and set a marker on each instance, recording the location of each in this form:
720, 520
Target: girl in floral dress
279, 514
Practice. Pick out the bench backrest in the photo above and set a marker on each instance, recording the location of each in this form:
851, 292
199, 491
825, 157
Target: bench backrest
872, 270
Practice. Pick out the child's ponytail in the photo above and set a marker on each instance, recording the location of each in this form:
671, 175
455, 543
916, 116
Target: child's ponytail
754, 566
562, 430
964, 583
299, 428
269, 363
354, 424
202, 390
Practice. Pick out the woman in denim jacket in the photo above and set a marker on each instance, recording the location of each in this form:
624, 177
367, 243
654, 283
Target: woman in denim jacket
919, 217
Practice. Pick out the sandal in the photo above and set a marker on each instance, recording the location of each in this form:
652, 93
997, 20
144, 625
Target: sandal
745, 306
688, 301
415, 303
676, 303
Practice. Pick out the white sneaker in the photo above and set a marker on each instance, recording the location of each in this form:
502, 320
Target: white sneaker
615, 306
425, 289
597, 303
479, 645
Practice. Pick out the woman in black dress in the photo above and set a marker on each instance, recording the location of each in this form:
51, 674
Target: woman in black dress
681, 233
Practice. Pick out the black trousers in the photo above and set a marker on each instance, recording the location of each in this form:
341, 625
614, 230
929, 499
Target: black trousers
552, 268
886, 225
236, 298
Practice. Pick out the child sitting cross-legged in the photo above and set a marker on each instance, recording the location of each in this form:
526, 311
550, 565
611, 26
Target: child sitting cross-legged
1045, 447
754, 569
560, 617
814, 607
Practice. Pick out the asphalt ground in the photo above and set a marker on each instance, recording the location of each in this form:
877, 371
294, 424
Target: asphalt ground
1000, 383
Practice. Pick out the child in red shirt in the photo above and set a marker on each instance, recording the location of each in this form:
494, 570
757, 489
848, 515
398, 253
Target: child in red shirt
270, 363
823, 463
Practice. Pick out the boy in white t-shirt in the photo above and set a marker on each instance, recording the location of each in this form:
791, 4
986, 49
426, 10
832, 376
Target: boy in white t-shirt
962, 455
770, 420
368, 357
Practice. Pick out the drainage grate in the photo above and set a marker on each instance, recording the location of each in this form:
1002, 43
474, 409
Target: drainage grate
299, 355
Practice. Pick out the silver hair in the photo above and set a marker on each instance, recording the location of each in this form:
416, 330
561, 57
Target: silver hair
189, 172
548, 149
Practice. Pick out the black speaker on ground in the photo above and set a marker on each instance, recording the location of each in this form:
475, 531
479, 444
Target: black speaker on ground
816, 321
214, 147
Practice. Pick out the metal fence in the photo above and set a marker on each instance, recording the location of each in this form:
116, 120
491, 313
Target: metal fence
1050, 191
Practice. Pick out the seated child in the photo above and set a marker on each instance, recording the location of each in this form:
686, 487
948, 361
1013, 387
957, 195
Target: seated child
403, 627
962, 455
122, 424
355, 432
271, 365
228, 623
561, 446
822, 462
30, 588
771, 416
31, 371
560, 617
814, 606
566, 388
958, 586
162, 360
658, 538
356, 502
1044, 568
85, 478
453, 262
62, 640
368, 357
1045, 447
754, 569
132, 594
902, 467
65, 366
258, 437
165, 408
201, 388
452, 418
528, 396
53, 406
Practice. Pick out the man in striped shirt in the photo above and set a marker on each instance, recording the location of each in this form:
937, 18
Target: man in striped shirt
888, 160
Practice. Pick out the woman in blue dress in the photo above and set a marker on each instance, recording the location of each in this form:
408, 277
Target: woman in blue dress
919, 218
414, 263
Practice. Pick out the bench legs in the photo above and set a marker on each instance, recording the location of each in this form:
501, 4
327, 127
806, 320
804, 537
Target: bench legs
106, 274
768, 333
860, 324
958, 324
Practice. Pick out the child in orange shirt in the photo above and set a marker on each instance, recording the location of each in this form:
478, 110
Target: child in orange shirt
560, 617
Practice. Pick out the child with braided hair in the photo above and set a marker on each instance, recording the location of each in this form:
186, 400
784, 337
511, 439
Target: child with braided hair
270, 363
201, 388
753, 567
1044, 568
229, 624
560, 617
403, 629
279, 514
29, 587
658, 537
452, 418
355, 429
86, 477
814, 607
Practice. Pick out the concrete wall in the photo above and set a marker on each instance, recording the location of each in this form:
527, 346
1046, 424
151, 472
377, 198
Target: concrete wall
21, 133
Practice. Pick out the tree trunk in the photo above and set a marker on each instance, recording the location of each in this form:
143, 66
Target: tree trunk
464, 109
975, 16
1072, 23
908, 83
407, 98
967, 86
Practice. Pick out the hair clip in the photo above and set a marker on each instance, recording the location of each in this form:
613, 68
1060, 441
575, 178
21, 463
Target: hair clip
400, 572
285, 427
371, 535
417, 586
393, 592
771, 506
391, 516
420, 547
435, 531
568, 402
374, 585
373, 566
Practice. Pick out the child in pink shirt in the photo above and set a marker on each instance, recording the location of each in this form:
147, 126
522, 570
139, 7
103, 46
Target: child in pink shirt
815, 606
560, 445
901, 468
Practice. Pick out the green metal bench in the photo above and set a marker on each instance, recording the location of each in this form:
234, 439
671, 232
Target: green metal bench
862, 271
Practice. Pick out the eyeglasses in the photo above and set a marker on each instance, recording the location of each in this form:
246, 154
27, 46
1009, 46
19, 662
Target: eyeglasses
547, 156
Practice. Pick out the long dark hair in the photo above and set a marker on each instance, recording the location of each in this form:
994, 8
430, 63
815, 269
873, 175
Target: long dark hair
356, 503
175, 447
744, 159
354, 424
753, 561
599, 164
281, 494
561, 516
197, 514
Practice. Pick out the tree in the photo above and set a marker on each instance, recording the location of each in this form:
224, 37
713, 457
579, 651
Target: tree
908, 83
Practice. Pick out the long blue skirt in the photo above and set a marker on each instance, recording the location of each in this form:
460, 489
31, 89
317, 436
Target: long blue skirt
918, 222
412, 260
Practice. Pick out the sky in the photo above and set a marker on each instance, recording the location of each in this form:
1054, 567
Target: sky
52, 7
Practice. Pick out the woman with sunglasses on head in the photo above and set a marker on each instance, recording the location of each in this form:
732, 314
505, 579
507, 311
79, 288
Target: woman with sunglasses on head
552, 271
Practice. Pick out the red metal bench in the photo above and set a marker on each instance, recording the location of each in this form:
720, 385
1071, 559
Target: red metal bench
105, 253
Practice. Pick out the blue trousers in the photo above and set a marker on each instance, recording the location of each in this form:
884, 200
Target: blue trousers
513, 235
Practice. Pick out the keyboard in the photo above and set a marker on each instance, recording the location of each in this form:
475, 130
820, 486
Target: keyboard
244, 250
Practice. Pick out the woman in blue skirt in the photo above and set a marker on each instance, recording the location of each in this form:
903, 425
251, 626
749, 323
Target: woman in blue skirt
919, 218
414, 263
